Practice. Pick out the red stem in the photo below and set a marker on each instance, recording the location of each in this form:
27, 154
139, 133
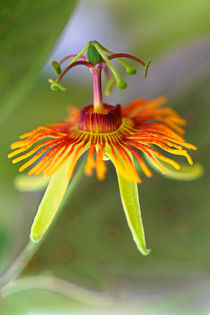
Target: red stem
84, 63
71, 56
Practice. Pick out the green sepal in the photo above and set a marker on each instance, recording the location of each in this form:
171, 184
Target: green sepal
131, 206
93, 55
130, 200
50, 202
185, 173
56, 67
30, 183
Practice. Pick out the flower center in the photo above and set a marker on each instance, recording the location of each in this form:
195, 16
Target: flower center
106, 122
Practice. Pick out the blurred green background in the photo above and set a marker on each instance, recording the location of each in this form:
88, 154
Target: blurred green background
90, 245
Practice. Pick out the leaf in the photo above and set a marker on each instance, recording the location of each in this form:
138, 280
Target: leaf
185, 173
28, 31
51, 201
30, 183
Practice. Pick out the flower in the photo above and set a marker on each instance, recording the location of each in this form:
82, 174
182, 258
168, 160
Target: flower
123, 134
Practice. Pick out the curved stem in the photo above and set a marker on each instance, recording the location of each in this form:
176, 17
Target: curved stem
59, 286
84, 63
122, 55
120, 83
19, 264
31, 248
71, 56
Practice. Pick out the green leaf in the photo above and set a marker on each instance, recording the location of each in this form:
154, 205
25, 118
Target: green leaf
50, 203
185, 173
28, 31
30, 183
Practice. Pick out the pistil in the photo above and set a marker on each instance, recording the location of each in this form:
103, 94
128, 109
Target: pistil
97, 92
97, 58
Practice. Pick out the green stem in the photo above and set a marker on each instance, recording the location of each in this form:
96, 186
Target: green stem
31, 248
59, 286
79, 54
16, 268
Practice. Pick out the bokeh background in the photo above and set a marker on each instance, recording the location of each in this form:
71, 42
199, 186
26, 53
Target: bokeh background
90, 246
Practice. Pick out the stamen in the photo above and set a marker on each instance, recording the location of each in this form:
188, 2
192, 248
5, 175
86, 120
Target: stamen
129, 69
55, 85
120, 83
110, 80
79, 54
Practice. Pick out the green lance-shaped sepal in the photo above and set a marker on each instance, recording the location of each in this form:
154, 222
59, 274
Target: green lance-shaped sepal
130, 201
50, 203
131, 206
